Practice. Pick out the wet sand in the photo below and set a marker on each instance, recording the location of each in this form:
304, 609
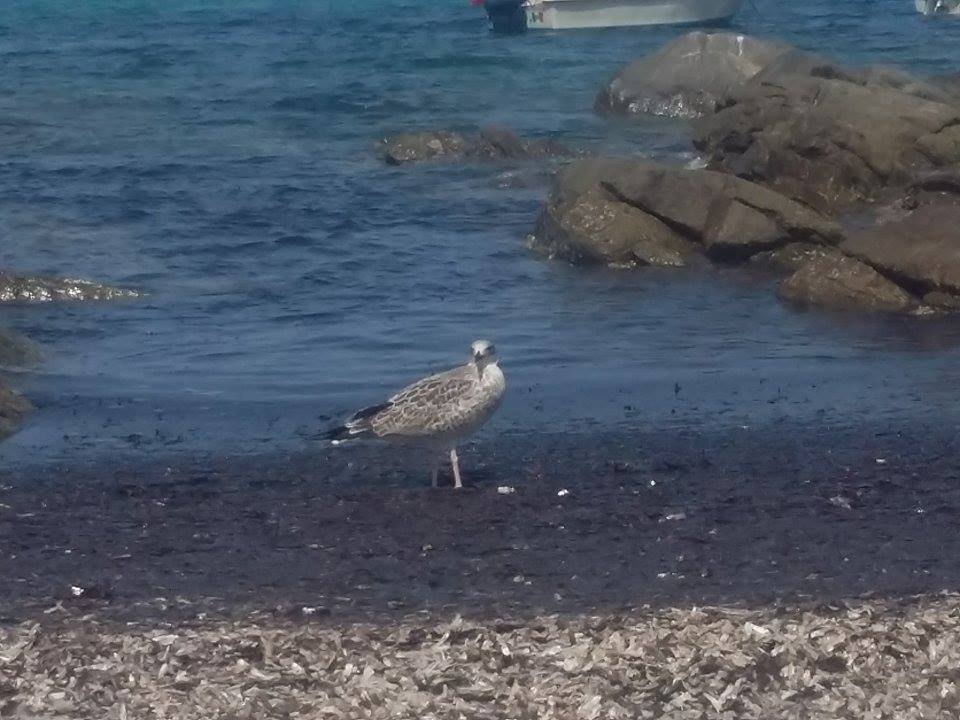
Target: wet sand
739, 515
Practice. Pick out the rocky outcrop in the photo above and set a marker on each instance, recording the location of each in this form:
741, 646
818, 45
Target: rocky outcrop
493, 143
790, 138
633, 213
627, 212
828, 136
687, 77
838, 281
921, 251
27, 289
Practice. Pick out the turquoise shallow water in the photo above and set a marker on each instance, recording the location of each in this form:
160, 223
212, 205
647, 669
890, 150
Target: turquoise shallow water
219, 156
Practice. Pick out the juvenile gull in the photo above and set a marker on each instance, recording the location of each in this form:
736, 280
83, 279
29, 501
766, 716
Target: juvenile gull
438, 412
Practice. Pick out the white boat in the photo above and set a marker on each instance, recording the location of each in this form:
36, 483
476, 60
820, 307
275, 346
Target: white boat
935, 7
519, 15
568, 14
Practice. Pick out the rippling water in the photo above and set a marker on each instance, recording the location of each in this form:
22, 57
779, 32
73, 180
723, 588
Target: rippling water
219, 156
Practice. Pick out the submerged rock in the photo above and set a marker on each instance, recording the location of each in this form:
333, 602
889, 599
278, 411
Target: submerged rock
828, 136
416, 147
633, 212
839, 281
13, 407
687, 77
493, 143
26, 289
17, 350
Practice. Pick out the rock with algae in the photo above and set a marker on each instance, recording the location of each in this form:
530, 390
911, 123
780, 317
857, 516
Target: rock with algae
30, 289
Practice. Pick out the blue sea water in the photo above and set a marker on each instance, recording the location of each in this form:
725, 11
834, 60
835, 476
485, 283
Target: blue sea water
220, 156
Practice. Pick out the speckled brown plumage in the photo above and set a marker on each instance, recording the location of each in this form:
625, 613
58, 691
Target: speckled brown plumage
438, 411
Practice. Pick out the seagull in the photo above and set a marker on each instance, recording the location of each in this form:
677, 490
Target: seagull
438, 412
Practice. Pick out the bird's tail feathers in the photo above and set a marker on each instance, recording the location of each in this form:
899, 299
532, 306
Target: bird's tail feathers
347, 432
358, 426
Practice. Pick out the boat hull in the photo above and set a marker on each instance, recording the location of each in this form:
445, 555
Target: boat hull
569, 14
935, 7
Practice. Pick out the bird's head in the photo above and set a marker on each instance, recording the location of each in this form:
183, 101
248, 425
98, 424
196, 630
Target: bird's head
483, 353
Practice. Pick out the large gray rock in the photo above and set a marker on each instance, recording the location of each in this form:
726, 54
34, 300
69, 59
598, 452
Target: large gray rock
922, 251
837, 281
633, 212
688, 76
830, 137
593, 228
493, 143
730, 217
28, 289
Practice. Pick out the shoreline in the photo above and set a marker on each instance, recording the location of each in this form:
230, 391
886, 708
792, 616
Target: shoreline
659, 519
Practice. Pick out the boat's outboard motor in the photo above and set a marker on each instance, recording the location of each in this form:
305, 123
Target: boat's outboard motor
506, 16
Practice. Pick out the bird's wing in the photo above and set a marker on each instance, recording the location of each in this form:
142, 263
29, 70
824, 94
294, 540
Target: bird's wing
423, 407
457, 381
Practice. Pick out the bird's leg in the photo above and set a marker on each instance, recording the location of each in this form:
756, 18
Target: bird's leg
434, 472
456, 468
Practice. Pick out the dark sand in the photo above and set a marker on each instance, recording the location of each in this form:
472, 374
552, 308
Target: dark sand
742, 516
